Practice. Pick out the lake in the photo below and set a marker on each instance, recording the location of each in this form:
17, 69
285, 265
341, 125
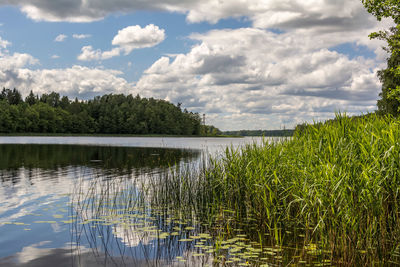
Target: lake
84, 201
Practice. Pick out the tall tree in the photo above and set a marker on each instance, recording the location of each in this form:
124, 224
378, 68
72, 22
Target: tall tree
390, 77
13, 97
31, 99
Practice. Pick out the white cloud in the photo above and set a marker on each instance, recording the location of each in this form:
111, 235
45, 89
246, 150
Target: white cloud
81, 36
60, 38
16, 61
127, 39
135, 37
272, 13
55, 56
4, 43
250, 73
89, 54
111, 53
77, 81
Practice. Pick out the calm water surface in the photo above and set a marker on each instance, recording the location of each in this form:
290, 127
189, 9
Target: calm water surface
47, 211
206, 143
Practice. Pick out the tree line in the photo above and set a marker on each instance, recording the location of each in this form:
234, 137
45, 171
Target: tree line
270, 133
107, 114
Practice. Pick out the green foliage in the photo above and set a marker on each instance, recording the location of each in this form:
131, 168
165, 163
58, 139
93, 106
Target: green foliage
383, 9
31, 99
13, 97
209, 130
108, 114
390, 77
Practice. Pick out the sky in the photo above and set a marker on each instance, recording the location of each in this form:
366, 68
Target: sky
246, 64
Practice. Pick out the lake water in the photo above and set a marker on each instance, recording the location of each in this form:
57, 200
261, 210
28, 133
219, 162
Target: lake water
51, 187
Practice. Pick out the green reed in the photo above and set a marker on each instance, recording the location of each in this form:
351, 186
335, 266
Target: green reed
337, 185
328, 195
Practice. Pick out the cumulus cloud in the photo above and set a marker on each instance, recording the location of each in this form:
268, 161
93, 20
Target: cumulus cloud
16, 61
76, 81
273, 13
60, 38
55, 56
127, 39
88, 54
81, 36
79, 81
134, 37
253, 72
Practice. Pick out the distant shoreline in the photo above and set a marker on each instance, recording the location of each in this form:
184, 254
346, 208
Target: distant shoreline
110, 135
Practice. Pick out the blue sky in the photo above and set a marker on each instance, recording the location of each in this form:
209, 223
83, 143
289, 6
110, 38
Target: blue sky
246, 64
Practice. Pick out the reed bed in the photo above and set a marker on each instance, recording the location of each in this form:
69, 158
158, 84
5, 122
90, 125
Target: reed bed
330, 195
334, 186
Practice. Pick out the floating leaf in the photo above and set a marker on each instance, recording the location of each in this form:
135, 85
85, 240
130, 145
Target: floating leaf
51, 222
163, 235
20, 223
69, 221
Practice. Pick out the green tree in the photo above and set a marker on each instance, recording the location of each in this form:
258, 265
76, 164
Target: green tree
390, 77
13, 97
64, 103
31, 99
32, 117
6, 122
47, 118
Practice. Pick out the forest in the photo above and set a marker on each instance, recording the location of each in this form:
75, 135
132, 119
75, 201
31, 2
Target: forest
284, 132
107, 114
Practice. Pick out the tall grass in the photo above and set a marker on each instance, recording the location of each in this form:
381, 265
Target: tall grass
338, 184
330, 194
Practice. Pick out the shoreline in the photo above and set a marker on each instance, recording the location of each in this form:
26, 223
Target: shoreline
112, 135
